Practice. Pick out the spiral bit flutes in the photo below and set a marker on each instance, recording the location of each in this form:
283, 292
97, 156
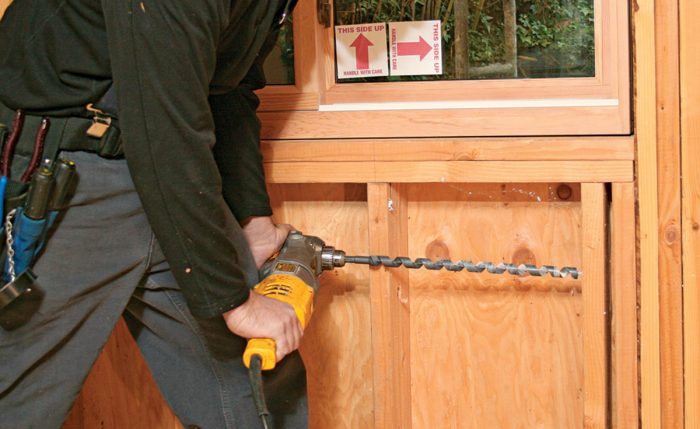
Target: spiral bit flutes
337, 258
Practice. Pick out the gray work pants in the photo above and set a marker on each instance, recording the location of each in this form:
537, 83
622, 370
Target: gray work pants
102, 260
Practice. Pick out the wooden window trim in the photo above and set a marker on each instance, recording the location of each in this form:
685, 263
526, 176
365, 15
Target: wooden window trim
533, 106
303, 95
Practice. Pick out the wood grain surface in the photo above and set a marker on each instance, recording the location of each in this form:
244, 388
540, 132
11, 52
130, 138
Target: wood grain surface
444, 149
647, 185
493, 351
449, 171
120, 391
337, 344
668, 150
690, 135
623, 295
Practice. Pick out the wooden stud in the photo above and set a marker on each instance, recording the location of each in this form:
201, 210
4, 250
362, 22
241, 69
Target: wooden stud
450, 171
625, 408
669, 213
646, 131
690, 135
595, 311
390, 308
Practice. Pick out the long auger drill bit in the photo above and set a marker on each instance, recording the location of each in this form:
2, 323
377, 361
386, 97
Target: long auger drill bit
336, 258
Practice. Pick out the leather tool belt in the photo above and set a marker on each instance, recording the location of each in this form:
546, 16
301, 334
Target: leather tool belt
99, 134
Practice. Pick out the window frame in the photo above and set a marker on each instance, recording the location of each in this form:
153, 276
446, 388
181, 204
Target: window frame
597, 105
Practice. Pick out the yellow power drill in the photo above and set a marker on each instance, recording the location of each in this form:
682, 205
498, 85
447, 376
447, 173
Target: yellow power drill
292, 277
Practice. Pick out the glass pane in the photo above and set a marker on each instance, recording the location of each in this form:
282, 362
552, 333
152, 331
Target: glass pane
279, 64
491, 39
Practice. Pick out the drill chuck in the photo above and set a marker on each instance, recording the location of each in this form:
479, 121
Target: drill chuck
332, 258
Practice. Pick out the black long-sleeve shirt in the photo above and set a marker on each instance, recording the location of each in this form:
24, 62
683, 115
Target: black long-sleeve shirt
184, 71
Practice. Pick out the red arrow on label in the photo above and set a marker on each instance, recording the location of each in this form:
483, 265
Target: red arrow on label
421, 47
361, 45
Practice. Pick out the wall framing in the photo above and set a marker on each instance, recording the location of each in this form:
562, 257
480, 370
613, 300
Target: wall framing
654, 118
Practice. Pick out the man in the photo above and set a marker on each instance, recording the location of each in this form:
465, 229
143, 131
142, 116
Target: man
170, 229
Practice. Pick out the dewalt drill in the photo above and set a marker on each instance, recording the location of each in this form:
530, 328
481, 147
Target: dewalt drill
292, 277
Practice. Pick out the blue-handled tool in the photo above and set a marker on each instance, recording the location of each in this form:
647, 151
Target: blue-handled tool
48, 192
25, 235
30, 223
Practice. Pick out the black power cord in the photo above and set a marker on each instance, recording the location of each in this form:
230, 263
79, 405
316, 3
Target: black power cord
256, 385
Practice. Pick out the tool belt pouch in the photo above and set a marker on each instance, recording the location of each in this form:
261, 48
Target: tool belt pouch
14, 283
31, 198
34, 184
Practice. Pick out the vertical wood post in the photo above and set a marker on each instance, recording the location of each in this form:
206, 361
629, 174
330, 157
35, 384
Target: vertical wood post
646, 132
669, 213
389, 299
690, 149
625, 413
595, 311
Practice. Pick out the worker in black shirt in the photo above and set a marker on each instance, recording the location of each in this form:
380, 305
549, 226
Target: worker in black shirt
168, 223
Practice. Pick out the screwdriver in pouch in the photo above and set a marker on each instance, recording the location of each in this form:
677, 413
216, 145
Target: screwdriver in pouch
64, 173
37, 204
30, 222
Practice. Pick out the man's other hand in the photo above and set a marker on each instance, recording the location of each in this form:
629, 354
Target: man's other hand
264, 237
263, 317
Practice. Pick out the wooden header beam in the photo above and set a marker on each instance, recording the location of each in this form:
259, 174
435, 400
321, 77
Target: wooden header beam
450, 171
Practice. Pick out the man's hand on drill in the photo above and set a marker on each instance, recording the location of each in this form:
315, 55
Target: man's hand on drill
264, 237
263, 317
260, 316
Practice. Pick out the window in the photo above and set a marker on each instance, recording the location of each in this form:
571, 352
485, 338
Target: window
525, 67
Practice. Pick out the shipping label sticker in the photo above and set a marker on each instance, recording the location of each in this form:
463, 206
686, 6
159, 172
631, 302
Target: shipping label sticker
361, 50
416, 48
